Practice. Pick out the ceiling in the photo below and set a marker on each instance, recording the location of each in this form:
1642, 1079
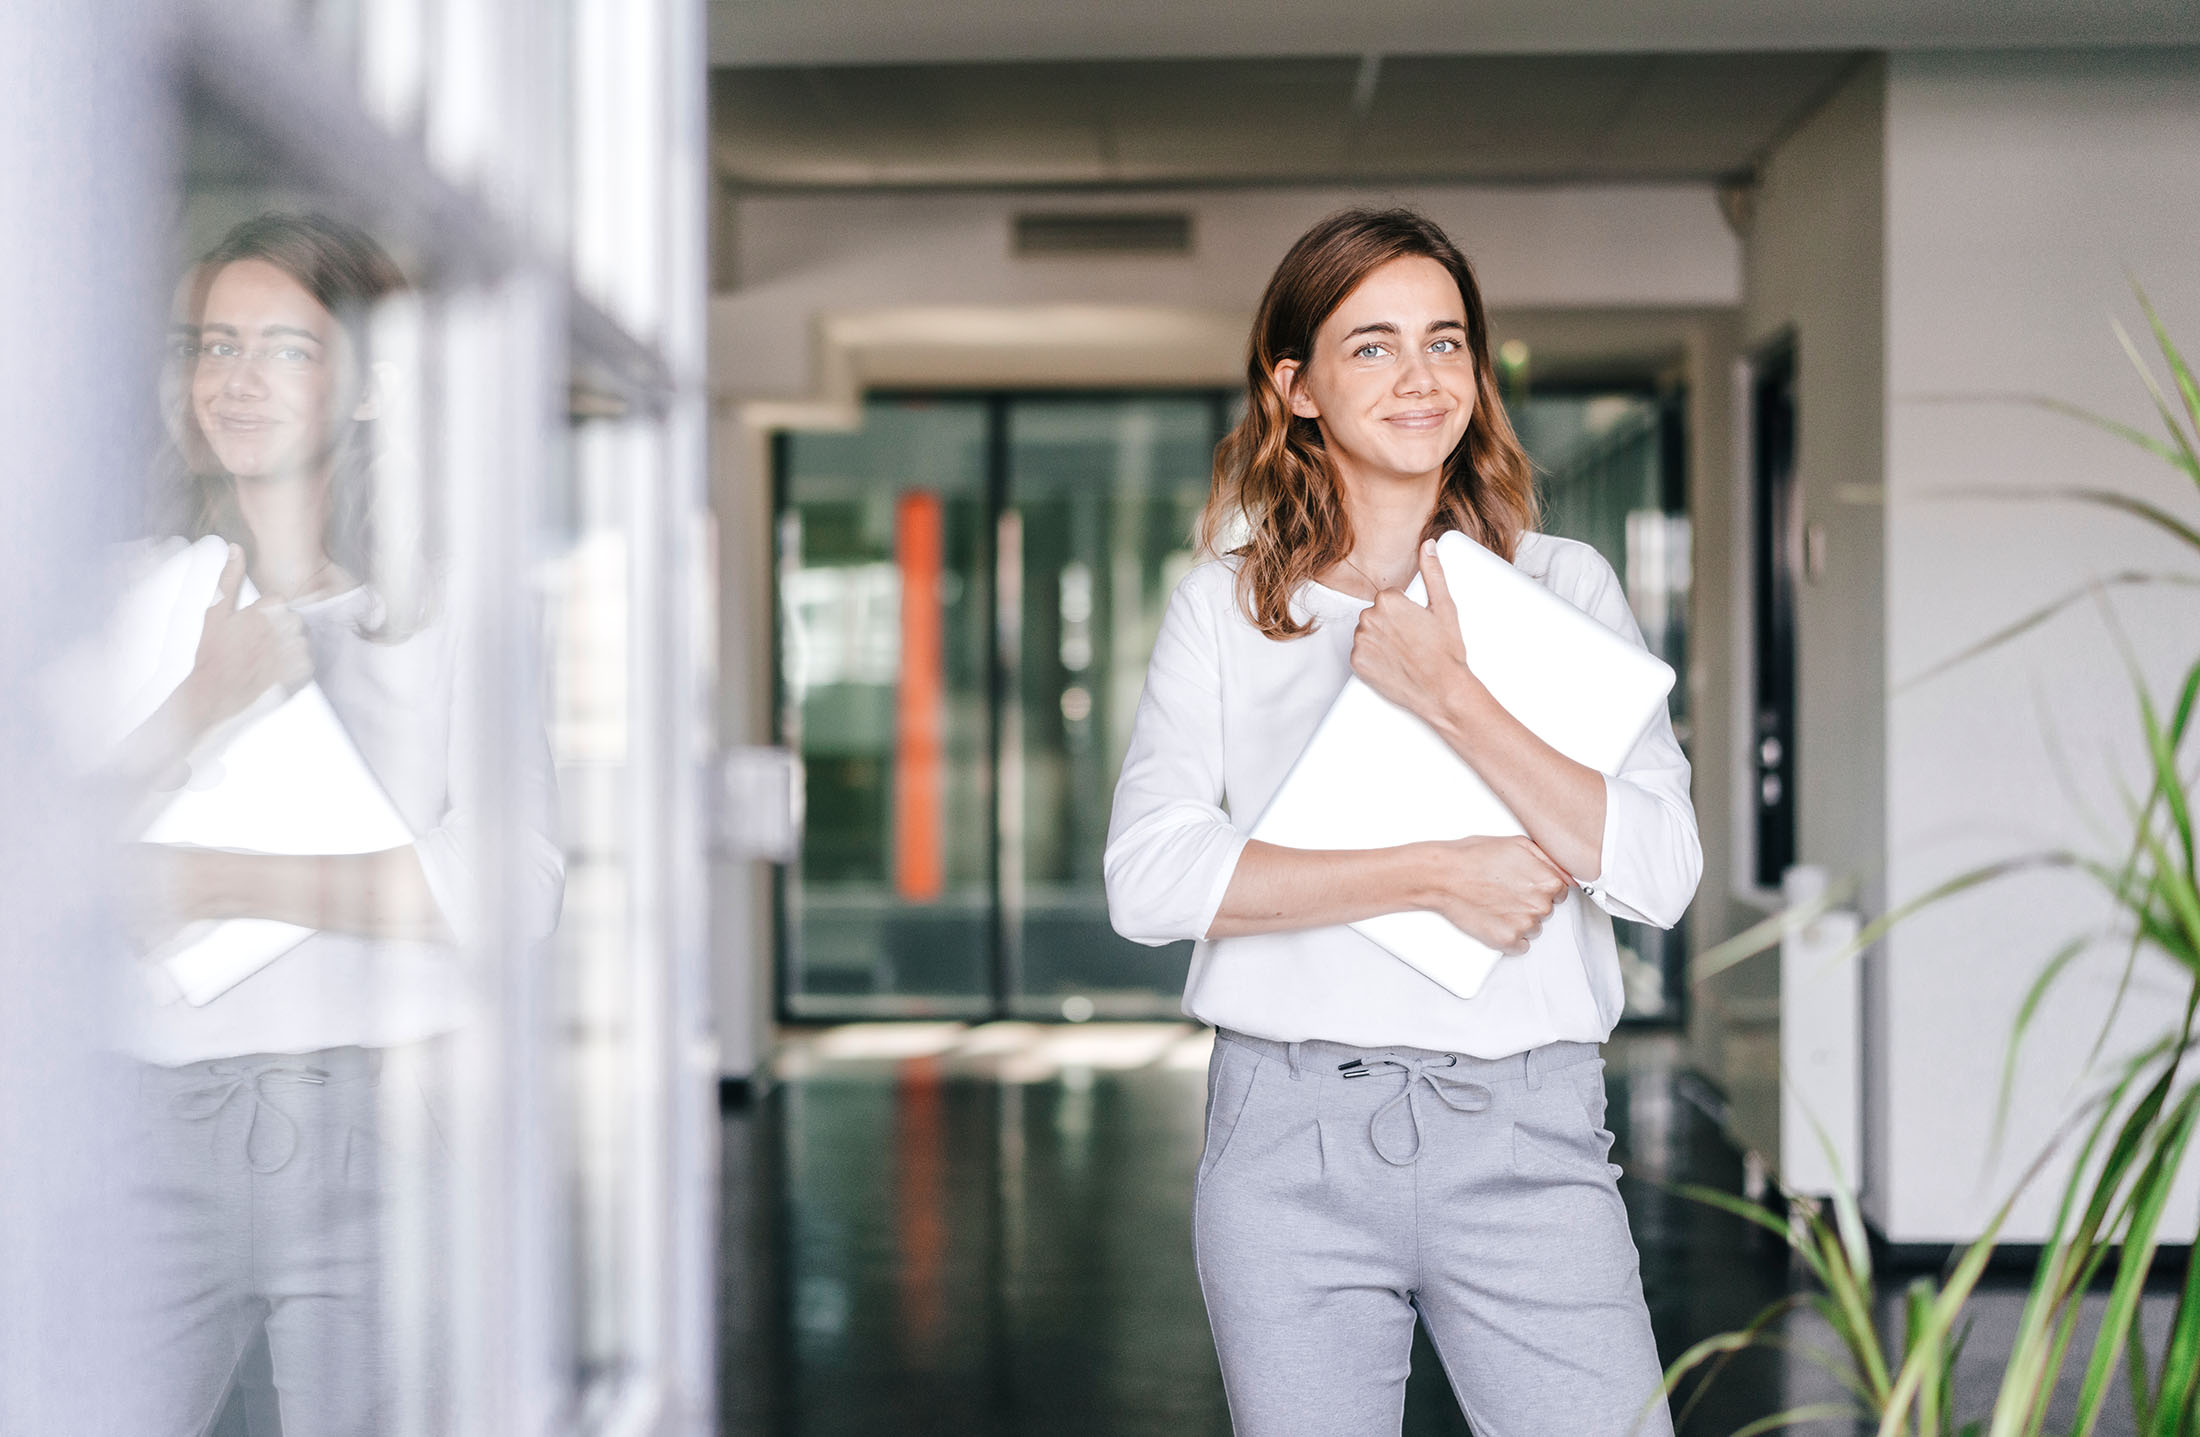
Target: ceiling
1318, 120
832, 32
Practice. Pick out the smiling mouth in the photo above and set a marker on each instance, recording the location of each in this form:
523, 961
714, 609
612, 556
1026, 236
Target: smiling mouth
1420, 419
242, 423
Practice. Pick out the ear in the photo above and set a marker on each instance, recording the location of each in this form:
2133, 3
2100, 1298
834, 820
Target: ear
381, 375
1302, 404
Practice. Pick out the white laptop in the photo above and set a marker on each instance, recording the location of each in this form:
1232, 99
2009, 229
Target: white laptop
284, 778
1374, 775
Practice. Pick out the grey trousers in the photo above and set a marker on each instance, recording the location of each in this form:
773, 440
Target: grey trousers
260, 1192
1342, 1190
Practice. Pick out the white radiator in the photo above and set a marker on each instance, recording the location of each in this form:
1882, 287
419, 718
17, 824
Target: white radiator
1821, 1046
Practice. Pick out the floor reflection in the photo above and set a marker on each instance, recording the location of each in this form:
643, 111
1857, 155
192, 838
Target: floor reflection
938, 1228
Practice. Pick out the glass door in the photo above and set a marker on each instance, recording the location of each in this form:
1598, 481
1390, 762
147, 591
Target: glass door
969, 588
886, 674
1102, 496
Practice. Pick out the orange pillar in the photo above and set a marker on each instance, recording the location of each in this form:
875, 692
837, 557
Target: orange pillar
920, 702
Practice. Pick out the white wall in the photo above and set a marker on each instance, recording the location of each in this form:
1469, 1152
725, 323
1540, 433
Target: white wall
1813, 272
2020, 188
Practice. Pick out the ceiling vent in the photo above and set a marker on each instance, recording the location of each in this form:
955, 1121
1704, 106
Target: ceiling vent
1090, 233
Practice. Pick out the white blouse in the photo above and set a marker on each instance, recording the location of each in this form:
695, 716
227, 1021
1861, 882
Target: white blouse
407, 706
1225, 713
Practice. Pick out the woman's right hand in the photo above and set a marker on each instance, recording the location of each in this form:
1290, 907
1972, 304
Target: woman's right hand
243, 652
1496, 890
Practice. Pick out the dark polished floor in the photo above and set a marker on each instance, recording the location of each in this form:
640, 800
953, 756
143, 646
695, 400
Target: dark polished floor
981, 1231
940, 1229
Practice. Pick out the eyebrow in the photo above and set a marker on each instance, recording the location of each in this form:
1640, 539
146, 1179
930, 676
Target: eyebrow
1386, 327
266, 331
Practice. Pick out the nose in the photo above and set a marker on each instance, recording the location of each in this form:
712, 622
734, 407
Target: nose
245, 376
1416, 375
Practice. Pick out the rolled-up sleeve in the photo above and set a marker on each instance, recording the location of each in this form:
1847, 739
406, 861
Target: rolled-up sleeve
1171, 848
1652, 857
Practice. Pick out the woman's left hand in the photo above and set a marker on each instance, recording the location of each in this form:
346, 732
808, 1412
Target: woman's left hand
1412, 655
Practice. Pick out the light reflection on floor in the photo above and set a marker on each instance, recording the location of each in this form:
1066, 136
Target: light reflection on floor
957, 1229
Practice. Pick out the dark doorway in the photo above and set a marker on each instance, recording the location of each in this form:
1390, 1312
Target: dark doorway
1776, 540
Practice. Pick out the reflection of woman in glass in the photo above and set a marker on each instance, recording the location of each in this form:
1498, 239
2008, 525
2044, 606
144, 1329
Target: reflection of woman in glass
1378, 1148
265, 1107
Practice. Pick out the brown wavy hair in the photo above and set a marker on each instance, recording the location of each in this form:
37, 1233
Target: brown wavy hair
1272, 473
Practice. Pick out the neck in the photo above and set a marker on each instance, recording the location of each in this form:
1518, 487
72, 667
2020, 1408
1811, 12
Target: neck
1388, 514
288, 517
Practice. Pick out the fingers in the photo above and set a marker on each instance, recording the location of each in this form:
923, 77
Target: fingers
1548, 865
225, 596
1439, 589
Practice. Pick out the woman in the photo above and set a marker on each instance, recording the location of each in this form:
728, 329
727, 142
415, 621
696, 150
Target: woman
264, 1109
1376, 1146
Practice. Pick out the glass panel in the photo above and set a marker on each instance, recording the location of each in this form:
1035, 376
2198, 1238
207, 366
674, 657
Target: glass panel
886, 663
584, 574
1611, 469
332, 859
1106, 493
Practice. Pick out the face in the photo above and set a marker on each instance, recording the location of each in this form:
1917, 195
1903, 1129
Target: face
1390, 378
266, 385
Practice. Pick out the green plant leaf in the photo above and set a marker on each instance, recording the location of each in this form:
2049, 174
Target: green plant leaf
2129, 578
1761, 936
2186, 459
2181, 371
2138, 508
2173, 1400
2026, 1011
1879, 927
2151, 1194
1814, 1412
2163, 750
1852, 1298
2176, 891
2069, 1257
1918, 1346
2138, 1379
2128, 433
1723, 1346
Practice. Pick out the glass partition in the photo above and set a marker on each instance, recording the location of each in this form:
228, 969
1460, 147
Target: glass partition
969, 587
372, 681
887, 670
1104, 494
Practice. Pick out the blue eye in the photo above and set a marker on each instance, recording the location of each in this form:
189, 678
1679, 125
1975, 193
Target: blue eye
1367, 351
1445, 346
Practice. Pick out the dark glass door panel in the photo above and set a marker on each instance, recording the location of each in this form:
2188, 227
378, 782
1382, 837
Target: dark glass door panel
885, 672
1103, 495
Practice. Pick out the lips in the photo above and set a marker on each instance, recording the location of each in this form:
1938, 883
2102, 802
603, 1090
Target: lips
1418, 419
243, 423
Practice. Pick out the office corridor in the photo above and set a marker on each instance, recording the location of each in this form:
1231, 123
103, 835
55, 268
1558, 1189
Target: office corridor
939, 1229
